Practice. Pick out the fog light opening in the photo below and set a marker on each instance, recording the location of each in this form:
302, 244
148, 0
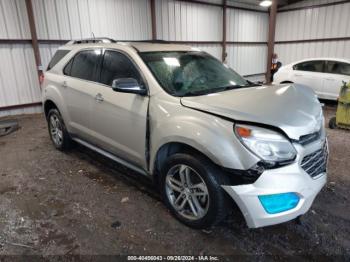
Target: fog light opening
278, 203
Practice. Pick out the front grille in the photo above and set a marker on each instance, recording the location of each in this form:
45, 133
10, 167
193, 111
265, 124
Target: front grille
316, 162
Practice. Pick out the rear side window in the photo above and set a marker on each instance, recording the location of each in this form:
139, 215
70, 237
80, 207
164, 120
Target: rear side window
117, 65
56, 58
84, 65
334, 67
310, 66
67, 69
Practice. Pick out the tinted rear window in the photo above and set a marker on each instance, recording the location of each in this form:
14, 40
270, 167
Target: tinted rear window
310, 66
57, 57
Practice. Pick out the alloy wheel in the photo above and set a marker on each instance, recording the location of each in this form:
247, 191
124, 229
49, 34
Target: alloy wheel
187, 192
56, 130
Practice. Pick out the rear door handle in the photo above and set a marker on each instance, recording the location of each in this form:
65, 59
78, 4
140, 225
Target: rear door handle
99, 98
298, 75
64, 84
330, 79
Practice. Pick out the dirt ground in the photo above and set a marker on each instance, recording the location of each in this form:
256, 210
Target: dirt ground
81, 203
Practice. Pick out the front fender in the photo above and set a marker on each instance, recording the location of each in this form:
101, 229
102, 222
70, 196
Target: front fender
210, 135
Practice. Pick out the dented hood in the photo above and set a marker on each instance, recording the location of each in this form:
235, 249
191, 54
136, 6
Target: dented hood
292, 108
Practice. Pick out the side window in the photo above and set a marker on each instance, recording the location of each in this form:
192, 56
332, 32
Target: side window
56, 58
310, 66
84, 65
117, 65
334, 67
67, 69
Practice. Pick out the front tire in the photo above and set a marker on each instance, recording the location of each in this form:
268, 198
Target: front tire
191, 189
57, 130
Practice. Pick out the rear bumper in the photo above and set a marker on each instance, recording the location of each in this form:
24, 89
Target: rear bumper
288, 179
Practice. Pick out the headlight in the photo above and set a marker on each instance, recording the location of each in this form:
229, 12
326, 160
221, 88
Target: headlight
270, 146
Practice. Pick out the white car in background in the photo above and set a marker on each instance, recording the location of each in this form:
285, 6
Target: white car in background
323, 75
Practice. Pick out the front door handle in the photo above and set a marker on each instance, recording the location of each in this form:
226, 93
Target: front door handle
298, 75
330, 79
99, 98
64, 84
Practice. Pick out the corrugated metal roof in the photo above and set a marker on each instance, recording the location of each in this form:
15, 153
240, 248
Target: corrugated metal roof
251, 4
309, 3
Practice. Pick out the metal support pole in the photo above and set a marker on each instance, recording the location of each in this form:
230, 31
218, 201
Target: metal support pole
271, 42
224, 23
154, 21
34, 39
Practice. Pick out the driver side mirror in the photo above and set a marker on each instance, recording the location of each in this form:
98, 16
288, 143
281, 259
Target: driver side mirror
128, 85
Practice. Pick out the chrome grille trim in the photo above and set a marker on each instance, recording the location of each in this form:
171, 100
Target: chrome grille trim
307, 139
316, 163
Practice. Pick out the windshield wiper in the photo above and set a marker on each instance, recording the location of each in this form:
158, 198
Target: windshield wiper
216, 90
251, 84
225, 88
197, 93
209, 91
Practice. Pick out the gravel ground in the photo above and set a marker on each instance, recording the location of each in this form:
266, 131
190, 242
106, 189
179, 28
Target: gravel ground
54, 203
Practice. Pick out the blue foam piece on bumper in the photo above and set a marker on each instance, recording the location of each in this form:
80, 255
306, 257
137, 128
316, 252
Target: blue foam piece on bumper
278, 203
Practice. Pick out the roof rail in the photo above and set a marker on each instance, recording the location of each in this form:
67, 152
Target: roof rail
107, 40
151, 41
92, 40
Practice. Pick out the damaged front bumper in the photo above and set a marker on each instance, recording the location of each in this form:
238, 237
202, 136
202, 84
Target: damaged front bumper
289, 183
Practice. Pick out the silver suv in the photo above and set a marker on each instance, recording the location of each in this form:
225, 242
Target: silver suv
205, 135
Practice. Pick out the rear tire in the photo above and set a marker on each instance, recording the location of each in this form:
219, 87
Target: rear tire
57, 130
332, 123
191, 188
